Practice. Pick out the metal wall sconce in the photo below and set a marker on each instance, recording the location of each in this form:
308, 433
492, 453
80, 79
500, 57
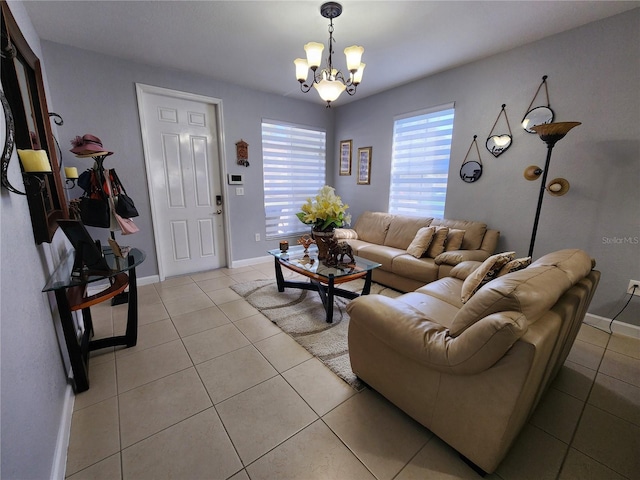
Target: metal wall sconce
549, 133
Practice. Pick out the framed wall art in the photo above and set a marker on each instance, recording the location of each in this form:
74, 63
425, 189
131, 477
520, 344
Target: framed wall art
345, 157
364, 165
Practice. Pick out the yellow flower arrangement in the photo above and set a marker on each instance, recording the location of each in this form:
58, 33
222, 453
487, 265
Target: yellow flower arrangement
326, 211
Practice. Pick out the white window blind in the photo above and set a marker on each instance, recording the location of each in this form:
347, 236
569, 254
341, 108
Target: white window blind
294, 160
420, 162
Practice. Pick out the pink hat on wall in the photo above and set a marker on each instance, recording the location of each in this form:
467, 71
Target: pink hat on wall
88, 146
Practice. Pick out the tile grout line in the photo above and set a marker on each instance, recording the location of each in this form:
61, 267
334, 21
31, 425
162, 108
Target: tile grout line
584, 406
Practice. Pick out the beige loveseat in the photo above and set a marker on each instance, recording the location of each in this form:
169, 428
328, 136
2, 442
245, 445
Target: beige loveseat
384, 238
473, 373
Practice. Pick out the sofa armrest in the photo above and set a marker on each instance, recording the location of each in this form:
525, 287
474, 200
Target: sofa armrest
462, 270
411, 334
345, 234
454, 257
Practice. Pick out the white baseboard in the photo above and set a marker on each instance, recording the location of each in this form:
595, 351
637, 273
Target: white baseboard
147, 280
59, 467
248, 262
618, 327
94, 288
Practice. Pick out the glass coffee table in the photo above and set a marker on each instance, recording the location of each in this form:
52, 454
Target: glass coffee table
322, 278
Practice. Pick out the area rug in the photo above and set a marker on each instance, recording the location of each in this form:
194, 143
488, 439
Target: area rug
300, 313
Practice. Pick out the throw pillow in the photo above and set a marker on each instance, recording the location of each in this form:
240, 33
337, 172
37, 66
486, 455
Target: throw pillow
454, 239
421, 241
437, 243
485, 273
515, 265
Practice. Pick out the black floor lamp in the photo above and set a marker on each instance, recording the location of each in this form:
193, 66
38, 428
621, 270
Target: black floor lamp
550, 133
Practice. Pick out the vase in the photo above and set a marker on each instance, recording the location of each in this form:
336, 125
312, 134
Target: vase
323, 238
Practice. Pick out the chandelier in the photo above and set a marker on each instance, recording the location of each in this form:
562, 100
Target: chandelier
328, 81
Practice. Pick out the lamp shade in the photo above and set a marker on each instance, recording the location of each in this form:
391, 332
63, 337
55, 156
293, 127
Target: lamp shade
71, 173
34, 161
552, 132
302, 68
329, 90
314, 54
354, 57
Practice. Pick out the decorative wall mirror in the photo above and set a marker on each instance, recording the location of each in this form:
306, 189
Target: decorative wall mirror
23, 87
498, 144
471, 170
538, 115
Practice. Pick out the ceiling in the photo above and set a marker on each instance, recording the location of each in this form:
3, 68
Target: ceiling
254, 43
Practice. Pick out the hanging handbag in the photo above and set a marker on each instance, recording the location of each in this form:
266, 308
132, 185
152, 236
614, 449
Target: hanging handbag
94, 208
94, 212
126, 225
84, 180
124, 204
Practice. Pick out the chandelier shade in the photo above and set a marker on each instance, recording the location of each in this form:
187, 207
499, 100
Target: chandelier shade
329, 82
314, 54
329, 90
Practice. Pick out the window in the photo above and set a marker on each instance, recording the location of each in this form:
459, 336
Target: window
420, 162
294, 160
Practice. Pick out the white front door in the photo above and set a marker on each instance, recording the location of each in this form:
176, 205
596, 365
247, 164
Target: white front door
182, 155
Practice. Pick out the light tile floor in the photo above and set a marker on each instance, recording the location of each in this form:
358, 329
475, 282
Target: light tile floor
214, 390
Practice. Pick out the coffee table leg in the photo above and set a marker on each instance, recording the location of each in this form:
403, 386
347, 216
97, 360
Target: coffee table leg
367, 283
329, 306
279, 276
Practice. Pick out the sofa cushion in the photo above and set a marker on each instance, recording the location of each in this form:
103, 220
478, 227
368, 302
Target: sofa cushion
431, 308
437, 243
420, 269
421, 241
473, 231
532, 291
447, 289
454, 239
403, 229
381, 254
515, 265
486, 272
372, 227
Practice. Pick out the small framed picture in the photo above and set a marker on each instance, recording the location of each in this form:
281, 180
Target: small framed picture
345, 157
364, 166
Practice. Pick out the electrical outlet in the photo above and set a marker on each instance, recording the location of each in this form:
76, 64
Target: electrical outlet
633, 283
257, 237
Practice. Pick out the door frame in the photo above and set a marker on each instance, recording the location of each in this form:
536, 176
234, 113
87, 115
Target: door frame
142, 89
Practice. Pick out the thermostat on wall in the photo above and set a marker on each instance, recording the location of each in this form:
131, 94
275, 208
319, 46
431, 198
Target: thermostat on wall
235, 178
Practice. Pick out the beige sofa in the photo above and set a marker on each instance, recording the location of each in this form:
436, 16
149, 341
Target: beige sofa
473, 373
384, 238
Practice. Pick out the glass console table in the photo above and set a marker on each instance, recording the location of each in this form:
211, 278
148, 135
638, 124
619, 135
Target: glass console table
322, 278
71, 296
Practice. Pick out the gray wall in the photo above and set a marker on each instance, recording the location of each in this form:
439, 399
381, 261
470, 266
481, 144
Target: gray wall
96, 94
594, 74
593, 77
33, 379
